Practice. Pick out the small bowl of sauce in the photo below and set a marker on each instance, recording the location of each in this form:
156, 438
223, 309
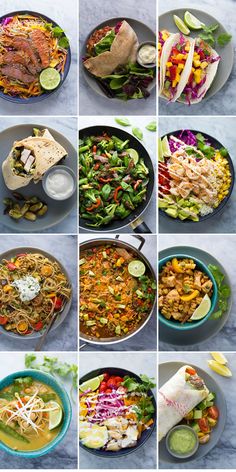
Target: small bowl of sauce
182, 442
59, 182
147, 54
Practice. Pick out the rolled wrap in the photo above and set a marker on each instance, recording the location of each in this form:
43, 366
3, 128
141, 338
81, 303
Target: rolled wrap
176, 398
123, 50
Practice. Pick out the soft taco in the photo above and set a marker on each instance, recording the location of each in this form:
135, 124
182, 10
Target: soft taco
175, 65
30, 158
110, 47
162, 38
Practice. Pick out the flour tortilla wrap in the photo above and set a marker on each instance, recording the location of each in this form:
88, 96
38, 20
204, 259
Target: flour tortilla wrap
176, 398
173, 40
123, 51
47, 153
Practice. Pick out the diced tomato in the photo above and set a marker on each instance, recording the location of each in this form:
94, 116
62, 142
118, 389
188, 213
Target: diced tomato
106, 376
190, 78
57, 303
202, 55
11, 266
29, 331
3, 320
213, 412
108, 390
38, 326
118, 380
174, 52
173, 72
203, 425
111, 383
190, 371
103, 387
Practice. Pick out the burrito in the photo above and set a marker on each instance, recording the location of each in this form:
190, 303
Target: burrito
30, 158
110, 47
178, 396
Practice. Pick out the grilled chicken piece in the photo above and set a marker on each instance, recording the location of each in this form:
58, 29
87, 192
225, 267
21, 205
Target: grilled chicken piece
113, 445
197, 280
123, 253
169, 281
40, 44
24, 155
18, 72
15, 57
29, 163
206, 287
22, 44
114, 434
173, 295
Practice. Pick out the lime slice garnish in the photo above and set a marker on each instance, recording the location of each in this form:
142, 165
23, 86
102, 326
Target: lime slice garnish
136, 268
220, 369
160, 151
181, 25
91, 384
133, 154
55, 416
165, 147
219, 357
202, 309
192, 22
49, 78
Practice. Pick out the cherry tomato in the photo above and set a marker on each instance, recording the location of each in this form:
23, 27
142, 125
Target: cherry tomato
213, 412
106, 376
111, 383
11, 266
190, 371
203, 425
108, 390
38, 326
103, 387
57, 303
3, 320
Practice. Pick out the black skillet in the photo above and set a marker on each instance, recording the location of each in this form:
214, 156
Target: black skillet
134, 219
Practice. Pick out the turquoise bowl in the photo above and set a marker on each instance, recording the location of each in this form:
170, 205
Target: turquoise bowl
61, 392
194, 324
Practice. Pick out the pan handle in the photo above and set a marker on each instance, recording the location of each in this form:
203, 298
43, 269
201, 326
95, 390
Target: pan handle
137, 236
82, 346
139, 226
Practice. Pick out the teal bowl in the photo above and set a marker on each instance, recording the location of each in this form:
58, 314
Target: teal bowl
61, 392
194, 324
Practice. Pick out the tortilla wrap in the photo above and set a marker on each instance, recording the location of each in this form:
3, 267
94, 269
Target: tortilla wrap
176, 398
47, 153
170, 42
123, 50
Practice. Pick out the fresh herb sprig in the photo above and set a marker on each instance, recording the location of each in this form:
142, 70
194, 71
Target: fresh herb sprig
63, 41
209, 35
133, 386
224, 292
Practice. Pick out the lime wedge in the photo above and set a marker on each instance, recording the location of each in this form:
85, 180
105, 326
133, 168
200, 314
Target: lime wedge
219, 357
136, 268
181, 25
55, 415
49, 78
192, 22
133, 154
165, 147
202, 309
160, 151
91, 384
220, 369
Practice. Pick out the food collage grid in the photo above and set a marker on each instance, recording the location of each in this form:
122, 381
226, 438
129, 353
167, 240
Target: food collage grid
117, 234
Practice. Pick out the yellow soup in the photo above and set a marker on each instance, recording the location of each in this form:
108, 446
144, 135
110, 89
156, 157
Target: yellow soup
30, 414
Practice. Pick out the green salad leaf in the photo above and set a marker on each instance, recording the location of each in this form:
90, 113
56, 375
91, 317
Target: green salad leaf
224, 291
105, 43
224, 39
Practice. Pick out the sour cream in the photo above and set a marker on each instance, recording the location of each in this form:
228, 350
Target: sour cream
59, 184
147, 54
28, 288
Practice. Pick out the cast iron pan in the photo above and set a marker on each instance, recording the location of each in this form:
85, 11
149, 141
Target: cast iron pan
116, 225
217, 145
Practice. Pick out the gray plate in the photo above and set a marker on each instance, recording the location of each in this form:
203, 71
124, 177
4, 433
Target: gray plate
57, 210
143, 32
227, 53
166, 371
210, 327
62, 316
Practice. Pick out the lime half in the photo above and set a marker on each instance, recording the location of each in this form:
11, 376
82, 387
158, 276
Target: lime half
202, 309
55, 415
160, 151
91, 384
49, 78
220, 369
133, 154
181, 25
219, 357
192, 22
165, 147
136, 268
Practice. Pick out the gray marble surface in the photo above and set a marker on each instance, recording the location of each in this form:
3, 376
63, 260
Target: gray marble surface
63, 102
223, 249
149, 142
68, 128
64, 248
140, 363
91, 15
146, 339
223, 103
223, 455
223, 129
64, 456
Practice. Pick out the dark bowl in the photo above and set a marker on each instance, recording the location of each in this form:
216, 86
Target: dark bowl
45, 94
145, 435
217, 145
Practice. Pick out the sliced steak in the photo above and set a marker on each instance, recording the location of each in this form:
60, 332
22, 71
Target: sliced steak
40, 44
15, 57
22, 44
18, 72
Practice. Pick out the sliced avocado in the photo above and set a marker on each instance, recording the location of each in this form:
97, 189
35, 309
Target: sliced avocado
183, 215
211, 396
173, 212
162, 203
196, 428
197, 414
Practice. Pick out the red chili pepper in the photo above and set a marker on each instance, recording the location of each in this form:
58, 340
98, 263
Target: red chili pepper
173, 72
96, 166
104, 180
11, 266
94, 149
116, 193
3, 320
38, 326
57, 303
95, 205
